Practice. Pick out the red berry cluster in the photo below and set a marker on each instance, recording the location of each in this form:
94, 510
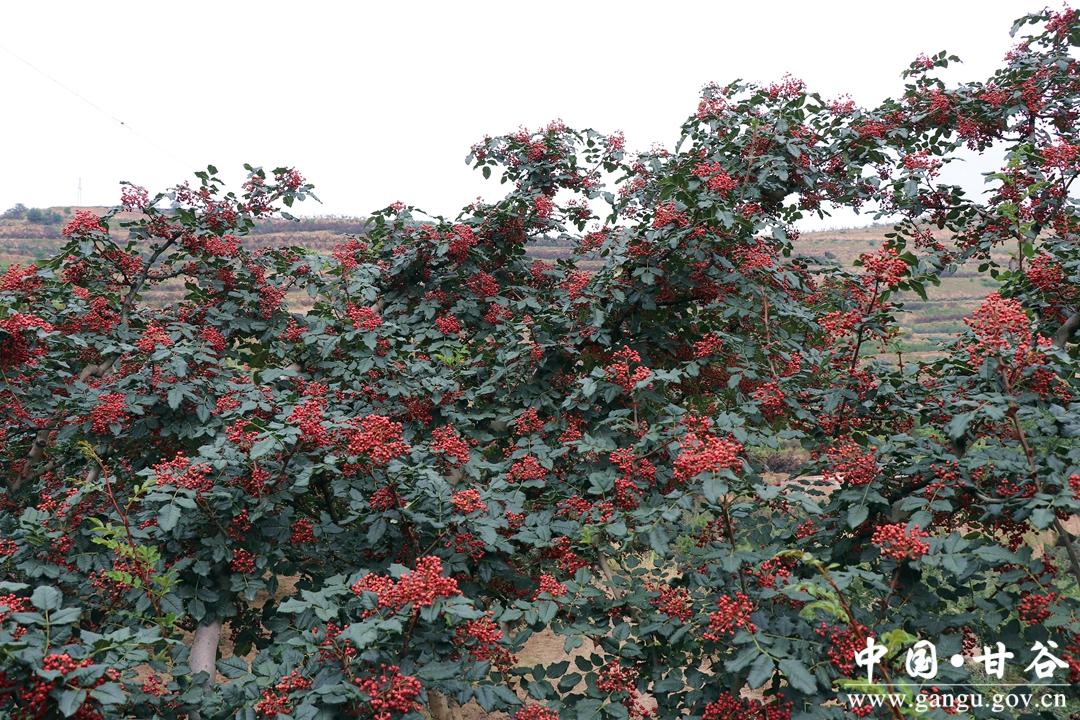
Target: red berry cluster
850, 463
701, 452
575, 283
449, 443
525, 469
303, 532
378, 437
716, 177
84, 223
419, 588
15, 350
732, 707
390, 693
899, 542
448, 324
614, 678
468, 501
180, 472
35, 697
536, 712
548, 584
1034, 608
111, 409
885, 268
543, 206
733, 613
484, 640
710, 345
276, 702
363, 318
308, 416
672, 601
242, 561
528, 422
619, 371
843, 643
152, 337
483, 285
667, 214
462, 239
996, 321
213, 338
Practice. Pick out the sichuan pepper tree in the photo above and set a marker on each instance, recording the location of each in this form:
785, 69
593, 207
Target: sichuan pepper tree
385, 468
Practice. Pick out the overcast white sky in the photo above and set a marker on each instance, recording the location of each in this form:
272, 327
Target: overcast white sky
377, 102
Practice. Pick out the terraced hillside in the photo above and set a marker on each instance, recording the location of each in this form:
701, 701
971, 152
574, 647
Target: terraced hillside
22, 241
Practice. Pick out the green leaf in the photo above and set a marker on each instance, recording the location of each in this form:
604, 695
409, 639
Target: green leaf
760, 671
70, 701
714, 488
439, 670
168, 516
798, 676
1042, 517
857, 515
46, 598
263, 446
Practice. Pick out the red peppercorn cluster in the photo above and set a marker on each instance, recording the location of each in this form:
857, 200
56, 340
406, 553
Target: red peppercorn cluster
303, 532
885, 268
448, 324
900, 542
390, 693
667, 214
619, 371
770, 399
614, 678
548, 584
525, 469
484, 641
732, 707
575, 283
543, 206
842, 645
709, 345
701, 452
277, 702
111, 409
449, 443
849, 462
461, 239
242, 561
419, 588
996, 323
180, 472
732, 613
536, 712
385, 498
716, 177
1034, 608
35, 697
528, 422
308, 416
468, 501
378, 437
363, 318
671, 601
483, 285
84, 223
152, 337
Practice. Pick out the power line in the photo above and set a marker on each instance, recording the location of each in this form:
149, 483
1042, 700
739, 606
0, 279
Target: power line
97, 107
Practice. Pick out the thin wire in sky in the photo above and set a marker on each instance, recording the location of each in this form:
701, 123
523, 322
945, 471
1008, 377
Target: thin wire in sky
97, 107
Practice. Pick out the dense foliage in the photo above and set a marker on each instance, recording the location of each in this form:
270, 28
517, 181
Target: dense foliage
385, 469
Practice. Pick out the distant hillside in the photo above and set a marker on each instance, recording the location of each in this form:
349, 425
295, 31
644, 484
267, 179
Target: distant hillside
35, 233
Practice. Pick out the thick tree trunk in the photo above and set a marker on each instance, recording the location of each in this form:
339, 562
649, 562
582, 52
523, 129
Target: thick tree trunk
441, 707
204, 647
